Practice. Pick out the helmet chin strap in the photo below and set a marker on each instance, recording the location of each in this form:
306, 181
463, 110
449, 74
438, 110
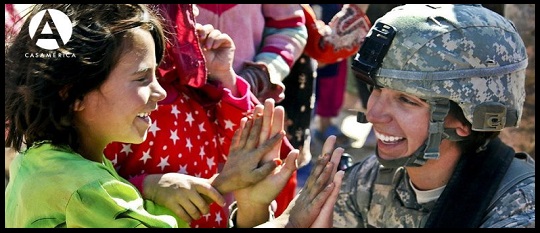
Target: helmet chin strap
430, 148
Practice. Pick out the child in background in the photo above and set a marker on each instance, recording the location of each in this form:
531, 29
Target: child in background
269, 39
336, 33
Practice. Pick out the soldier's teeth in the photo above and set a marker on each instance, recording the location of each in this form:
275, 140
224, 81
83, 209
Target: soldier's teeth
386, 138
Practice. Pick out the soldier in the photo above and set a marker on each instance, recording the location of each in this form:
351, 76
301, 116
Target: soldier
445, 80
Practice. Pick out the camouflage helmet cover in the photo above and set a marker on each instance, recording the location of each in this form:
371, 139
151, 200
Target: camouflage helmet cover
465, 53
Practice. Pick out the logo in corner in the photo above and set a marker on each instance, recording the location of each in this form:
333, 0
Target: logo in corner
54, 29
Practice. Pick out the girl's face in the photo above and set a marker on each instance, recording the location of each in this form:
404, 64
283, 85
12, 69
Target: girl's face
119, 109
400, 122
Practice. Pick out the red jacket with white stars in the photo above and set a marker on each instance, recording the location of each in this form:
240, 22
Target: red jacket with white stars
192, 128
187, 138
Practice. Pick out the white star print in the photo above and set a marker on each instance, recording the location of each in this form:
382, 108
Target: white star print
115, 160
175, 111
183, 169
174, 136
206, 216
201, 127
126, 148
189, 118
229, 124
146, 156
218, 218
164, 162
185, 96
210, 162
188, 144
154, 128
221, 140
201, 152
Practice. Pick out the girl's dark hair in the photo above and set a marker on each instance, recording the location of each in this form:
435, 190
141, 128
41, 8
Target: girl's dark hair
476, 139
42, 85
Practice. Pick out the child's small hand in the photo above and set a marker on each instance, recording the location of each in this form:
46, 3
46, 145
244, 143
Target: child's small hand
254, 150
218, 50
187, 196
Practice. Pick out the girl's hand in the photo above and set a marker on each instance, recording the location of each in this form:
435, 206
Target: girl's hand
187, 196
218, 50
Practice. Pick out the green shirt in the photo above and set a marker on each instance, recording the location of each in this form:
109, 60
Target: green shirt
56, 187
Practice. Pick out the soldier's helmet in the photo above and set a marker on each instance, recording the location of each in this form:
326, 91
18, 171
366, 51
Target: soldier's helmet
463, 52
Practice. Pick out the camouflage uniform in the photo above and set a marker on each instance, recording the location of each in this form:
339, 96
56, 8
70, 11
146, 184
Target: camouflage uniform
463, 53
363, 202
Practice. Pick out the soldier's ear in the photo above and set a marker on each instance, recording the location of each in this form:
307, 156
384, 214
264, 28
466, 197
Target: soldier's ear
462, 129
